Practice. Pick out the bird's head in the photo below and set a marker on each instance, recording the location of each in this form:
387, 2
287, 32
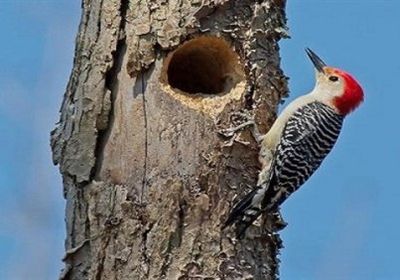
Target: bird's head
336, 87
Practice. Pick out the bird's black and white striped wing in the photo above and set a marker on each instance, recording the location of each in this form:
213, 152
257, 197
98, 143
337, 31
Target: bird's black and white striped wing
309, 135
307, 138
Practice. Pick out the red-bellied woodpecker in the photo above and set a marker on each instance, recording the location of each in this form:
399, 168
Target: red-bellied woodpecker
298, 141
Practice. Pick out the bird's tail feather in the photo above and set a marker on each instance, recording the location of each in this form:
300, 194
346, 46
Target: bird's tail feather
246, 211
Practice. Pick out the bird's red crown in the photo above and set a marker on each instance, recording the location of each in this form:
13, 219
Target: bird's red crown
352, 95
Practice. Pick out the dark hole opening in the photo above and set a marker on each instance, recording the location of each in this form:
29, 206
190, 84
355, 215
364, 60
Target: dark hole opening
204, 65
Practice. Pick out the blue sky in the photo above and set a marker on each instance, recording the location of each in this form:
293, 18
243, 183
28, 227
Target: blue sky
343, 223
36, 51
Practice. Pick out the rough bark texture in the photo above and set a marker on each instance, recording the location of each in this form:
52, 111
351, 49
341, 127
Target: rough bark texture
148, 175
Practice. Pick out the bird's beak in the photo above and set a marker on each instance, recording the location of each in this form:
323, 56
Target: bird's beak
318, 63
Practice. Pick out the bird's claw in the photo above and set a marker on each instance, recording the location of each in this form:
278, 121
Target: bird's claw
230, 132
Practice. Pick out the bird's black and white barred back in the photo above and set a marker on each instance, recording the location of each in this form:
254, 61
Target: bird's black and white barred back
309, 135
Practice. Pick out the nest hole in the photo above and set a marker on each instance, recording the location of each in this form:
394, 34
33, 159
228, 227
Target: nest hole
205, 65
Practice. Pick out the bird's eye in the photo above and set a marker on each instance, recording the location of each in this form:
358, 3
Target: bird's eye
333, 78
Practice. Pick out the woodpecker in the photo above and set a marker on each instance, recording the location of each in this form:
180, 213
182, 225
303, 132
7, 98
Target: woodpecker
298, 141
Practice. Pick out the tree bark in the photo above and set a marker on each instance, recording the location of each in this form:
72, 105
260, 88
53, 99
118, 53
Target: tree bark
149, 173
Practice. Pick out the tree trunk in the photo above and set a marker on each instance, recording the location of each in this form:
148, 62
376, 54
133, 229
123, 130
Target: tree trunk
149, 172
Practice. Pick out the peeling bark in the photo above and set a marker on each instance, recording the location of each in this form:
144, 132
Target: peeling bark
147, 176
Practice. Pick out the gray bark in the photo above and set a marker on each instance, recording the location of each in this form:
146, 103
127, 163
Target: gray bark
148, 177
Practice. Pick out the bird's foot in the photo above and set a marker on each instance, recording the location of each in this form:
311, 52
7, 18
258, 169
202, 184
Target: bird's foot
249, 122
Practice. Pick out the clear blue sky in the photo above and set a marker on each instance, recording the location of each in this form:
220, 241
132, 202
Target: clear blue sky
343, 224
